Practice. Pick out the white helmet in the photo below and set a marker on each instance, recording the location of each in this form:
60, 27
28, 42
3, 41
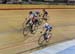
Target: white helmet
46, 24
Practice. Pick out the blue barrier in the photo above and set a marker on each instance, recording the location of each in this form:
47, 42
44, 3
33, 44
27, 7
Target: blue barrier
67, 47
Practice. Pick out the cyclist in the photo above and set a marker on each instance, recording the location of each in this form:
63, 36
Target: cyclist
47, 28
45, 15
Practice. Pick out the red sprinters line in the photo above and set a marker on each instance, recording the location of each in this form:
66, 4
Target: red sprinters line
31, 8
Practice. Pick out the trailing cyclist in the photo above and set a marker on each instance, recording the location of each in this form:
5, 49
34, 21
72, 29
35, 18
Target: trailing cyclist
32, 21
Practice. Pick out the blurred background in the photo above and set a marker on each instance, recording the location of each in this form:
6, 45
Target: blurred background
57, 2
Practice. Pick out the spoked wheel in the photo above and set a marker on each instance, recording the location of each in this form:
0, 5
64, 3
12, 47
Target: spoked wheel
43, 41
25, 31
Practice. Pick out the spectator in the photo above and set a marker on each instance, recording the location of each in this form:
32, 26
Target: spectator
30, 1
4, 1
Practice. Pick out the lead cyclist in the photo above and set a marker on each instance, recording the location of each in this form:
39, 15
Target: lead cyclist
47, 29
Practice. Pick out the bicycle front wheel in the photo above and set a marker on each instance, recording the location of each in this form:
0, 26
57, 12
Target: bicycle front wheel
41, 39
25, 32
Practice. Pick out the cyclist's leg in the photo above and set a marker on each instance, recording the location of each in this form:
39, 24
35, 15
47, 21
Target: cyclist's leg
36, 23
45, 35
45, 17
32, 26
49, 34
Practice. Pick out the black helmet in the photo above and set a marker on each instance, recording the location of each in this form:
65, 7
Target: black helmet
30, 12
44, 10
37, 12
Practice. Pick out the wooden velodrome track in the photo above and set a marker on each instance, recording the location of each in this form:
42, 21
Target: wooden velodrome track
11, 38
